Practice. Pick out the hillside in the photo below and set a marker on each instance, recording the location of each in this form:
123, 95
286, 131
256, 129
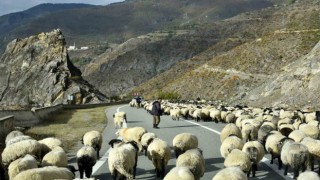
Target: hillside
246, 73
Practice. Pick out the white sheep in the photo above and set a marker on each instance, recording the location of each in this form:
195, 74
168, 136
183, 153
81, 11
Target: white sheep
272, 142
119, 118
123, 159
175, 114
256, 152
86, 159
295, 155
263, 132
179, 173
93, 139
238, 158
297, 135
49, 144
57, 157
215, 115
159, 153
146, 140
132, 134
230, 173
193, 159
313, 146
45, 173
309, 175
18, 139
230, 129
230, 143
309, 130
20, 149
22, 164
249, 132
184, 141
13, 134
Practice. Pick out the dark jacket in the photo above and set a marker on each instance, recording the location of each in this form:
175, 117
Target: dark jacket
156, 109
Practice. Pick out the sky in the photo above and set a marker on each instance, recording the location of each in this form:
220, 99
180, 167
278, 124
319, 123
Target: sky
10, 6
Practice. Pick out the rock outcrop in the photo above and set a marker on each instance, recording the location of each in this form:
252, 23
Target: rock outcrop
36, 71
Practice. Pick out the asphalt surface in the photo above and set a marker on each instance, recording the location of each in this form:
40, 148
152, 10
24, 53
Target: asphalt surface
209, 142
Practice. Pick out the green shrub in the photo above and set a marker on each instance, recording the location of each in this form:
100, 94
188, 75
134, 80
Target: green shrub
169, 95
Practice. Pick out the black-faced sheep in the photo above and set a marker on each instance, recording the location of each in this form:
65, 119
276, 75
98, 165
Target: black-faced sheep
256, 152
183, 142
45, 173
22, 164
193, 159
264, 131
179, 173
230, 173
86, 159
93, 139
123, 159
272, 146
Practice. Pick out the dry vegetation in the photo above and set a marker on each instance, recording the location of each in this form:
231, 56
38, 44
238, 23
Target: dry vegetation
70, 125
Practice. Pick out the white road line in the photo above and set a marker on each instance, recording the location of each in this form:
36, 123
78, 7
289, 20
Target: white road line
264, 160
104, 158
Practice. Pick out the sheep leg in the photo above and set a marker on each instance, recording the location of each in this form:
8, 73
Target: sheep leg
88, 171
254, 169
135, 165
81, 171
162, 168
113, 174
311, 163
272, 157
285, 169
296, 172
280, 163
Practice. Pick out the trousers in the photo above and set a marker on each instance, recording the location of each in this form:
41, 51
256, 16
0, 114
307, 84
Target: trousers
156, 119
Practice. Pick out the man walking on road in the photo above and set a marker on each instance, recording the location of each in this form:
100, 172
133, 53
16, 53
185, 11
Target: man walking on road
156, 112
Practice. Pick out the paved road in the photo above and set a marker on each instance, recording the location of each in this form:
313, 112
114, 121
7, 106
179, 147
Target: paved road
207, 133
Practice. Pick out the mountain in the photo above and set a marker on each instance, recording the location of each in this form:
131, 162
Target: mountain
36, 71
118, 22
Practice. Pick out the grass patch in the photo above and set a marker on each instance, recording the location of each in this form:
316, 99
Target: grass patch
70, 125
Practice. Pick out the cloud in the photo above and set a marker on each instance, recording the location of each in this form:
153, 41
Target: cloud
10, 6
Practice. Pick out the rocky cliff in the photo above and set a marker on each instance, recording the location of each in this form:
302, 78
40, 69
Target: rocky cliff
36, 71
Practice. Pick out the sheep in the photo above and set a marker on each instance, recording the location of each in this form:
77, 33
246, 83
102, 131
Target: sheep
313, 146
286, 129
159, 153
215, 115
19, 149
22, 164
272, 147
184, 112
56, 157
175, 114
146, 140
179, 173
256, 152
132, 134
230, 118
123, 159
297, 135
230, 173
18, 139
249, 132
263, 132
49, 144
93, 139
184, 141
310, 175
86, 159
230, 143
238, 158
45, 173
309, 130
119, 118
230, 129
293, 154
193, 159
13, 134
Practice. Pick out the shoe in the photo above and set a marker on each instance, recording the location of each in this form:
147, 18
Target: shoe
156, 126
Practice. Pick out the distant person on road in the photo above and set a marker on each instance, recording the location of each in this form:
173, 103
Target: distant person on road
156, 112
138, 100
